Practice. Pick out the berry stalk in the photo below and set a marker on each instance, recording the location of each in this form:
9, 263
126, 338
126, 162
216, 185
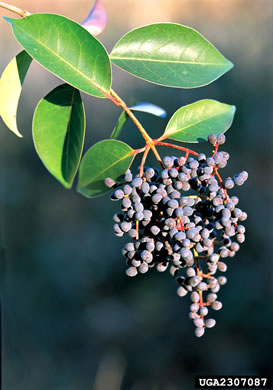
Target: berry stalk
145, 154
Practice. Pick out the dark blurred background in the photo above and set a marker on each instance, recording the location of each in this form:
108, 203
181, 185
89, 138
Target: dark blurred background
71, 318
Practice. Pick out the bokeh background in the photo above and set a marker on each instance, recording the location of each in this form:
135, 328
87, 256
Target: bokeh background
71, 319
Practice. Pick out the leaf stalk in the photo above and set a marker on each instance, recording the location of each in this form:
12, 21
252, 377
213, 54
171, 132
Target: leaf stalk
19, 11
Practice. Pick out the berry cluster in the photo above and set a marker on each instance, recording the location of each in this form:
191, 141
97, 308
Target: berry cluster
182, 218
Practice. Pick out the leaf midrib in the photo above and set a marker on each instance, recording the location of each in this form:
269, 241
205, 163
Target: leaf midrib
167, 61
68, 136
107, 168
192, 124
61, 59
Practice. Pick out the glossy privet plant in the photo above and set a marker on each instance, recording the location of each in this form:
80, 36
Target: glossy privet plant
179, 215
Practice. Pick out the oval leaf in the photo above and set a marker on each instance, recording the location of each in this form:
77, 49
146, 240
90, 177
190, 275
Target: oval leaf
194, 122
58, 132
169, 54
67, 50
11, 84
96, 20
149, 108
107, 158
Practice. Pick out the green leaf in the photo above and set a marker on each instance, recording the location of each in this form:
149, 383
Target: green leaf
194, 122
67, 50
119, 126
58, 132
10, 89
107, 158
169, 54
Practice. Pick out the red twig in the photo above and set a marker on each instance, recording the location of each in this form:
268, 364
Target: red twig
189, 151
215, 150
181, 225
145, 154
137, 151
221, 183
137, 230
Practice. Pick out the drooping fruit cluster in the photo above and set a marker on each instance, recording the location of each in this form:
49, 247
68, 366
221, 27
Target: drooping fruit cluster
182, 218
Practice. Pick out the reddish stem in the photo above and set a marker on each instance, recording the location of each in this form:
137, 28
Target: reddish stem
199, 273
201, 303
189, 151
137, 151
117, 100
145, 154
222, 183
215, 150
181, 225
137, 229
112, 99
208, 276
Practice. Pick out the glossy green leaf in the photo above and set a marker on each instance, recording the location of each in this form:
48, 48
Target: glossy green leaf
194, 122
169, 54
119, 126
67, 50
58, 132
107, 158
11, 84
148, 108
